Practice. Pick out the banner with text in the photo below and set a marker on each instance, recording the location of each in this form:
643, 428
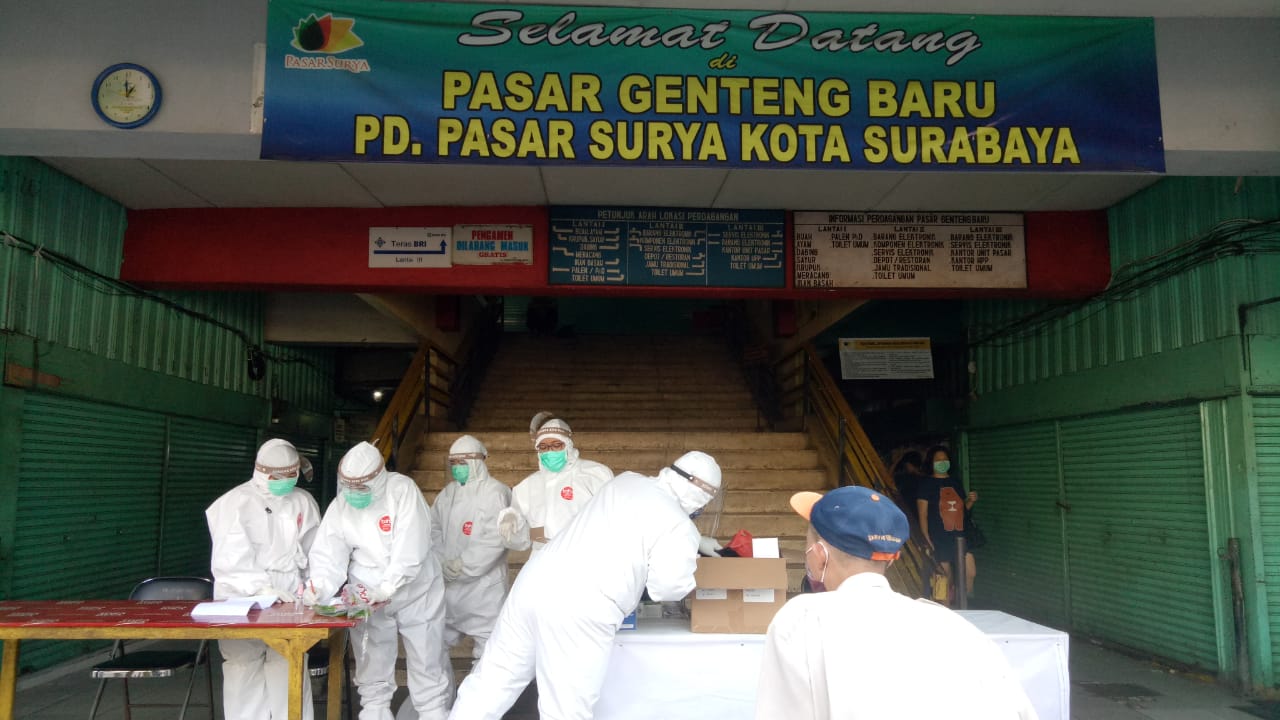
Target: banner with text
909, 250
667, 246
374, 80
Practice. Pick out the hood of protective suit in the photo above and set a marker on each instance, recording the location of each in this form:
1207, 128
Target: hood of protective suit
558, 429
275, 457
701, 466
474, 452
363, 465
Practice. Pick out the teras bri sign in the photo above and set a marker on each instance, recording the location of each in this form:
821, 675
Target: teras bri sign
374, 80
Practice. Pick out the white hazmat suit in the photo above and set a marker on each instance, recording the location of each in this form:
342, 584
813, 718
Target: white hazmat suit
567, 603
465, 514
261, 531
376, 535
544, 503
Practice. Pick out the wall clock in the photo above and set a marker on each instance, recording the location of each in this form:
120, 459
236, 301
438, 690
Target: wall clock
126, 95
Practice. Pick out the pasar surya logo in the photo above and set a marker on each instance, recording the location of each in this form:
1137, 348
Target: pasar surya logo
326, 34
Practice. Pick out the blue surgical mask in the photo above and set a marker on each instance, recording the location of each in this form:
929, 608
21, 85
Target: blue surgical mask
460, 473
358, 499
942, 466
554, 460
281, 486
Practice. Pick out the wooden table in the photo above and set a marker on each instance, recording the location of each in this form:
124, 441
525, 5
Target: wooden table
288, 631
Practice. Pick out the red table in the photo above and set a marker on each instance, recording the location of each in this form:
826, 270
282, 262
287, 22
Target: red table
288, 631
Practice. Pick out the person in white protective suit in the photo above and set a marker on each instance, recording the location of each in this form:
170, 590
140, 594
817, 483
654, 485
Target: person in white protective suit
470, 551
544, 503
376, 537
559, 622
261, 532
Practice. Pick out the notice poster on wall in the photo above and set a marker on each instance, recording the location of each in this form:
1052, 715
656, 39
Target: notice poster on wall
409, 247
909, 250
493, 245
667, 246
906, 358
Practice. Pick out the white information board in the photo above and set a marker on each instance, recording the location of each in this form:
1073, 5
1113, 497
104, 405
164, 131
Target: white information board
409, 247
885, 358
492, 244
909, 250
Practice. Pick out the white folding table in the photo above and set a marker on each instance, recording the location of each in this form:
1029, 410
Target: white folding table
662, 670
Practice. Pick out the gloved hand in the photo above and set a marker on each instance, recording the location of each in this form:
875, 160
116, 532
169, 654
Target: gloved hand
452, 569
507, 521
357, 594
709, 547
281, 595
307, 593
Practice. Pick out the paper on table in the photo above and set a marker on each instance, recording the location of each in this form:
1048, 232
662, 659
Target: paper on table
235, 608
765, 547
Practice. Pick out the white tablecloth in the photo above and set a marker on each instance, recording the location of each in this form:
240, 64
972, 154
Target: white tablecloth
661, 670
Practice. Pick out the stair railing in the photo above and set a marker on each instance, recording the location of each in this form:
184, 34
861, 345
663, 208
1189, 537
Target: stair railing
423, 391
754, 358
477, 352
809, 392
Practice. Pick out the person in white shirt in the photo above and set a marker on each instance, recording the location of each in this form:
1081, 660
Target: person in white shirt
470, 551
559, 622
261, 531
544, 503
863, 651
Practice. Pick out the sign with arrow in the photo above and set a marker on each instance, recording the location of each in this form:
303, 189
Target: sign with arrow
410, 247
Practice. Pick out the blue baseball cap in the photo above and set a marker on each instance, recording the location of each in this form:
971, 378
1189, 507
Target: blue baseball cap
856, 520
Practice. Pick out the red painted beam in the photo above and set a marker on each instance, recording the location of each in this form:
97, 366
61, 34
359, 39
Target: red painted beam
326, 249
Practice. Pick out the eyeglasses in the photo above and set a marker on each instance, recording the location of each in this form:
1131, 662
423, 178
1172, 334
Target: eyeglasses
549, 445
702, 485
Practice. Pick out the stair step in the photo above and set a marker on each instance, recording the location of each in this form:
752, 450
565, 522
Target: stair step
729, 460
790, 481
619, 411
656, 423
570, 407
597, 441
763, 524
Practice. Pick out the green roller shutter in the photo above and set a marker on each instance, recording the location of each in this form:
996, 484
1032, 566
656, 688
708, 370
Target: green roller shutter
89, 478
1015, 473
205, 460
1266, 427
1138, 534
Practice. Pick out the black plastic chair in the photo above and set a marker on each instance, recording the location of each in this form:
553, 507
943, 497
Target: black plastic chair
149, 664
318, 667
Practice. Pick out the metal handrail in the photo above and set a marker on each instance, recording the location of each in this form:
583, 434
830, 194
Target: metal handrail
477, 352
809, 390
419, 391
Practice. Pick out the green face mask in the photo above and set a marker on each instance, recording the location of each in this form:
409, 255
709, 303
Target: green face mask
281, 486
554, 460
460, 473
942, 466
358, 499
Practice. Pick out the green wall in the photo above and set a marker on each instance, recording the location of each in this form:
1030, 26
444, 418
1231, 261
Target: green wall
1184, 357
140, 415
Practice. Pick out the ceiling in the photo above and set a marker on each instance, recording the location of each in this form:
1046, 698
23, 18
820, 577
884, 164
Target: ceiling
158, 177
148, 184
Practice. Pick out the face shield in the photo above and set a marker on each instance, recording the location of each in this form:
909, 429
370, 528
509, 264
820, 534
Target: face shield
361, 475
276, 467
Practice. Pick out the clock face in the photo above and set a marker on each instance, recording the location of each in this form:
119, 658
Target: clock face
126, 95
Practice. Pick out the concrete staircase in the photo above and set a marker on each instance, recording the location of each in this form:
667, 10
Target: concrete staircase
637, 403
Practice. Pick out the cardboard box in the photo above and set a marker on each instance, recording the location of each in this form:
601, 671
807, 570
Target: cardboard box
738, 595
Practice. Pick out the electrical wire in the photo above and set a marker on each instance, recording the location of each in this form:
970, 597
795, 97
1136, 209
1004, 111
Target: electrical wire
1230, 238
114, 287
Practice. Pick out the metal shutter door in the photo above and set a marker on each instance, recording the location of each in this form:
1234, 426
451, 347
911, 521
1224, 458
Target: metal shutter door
1015, 473
89, 479
1138, 532
1266, 428
205, 460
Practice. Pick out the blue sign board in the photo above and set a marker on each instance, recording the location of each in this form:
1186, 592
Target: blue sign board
636, 246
